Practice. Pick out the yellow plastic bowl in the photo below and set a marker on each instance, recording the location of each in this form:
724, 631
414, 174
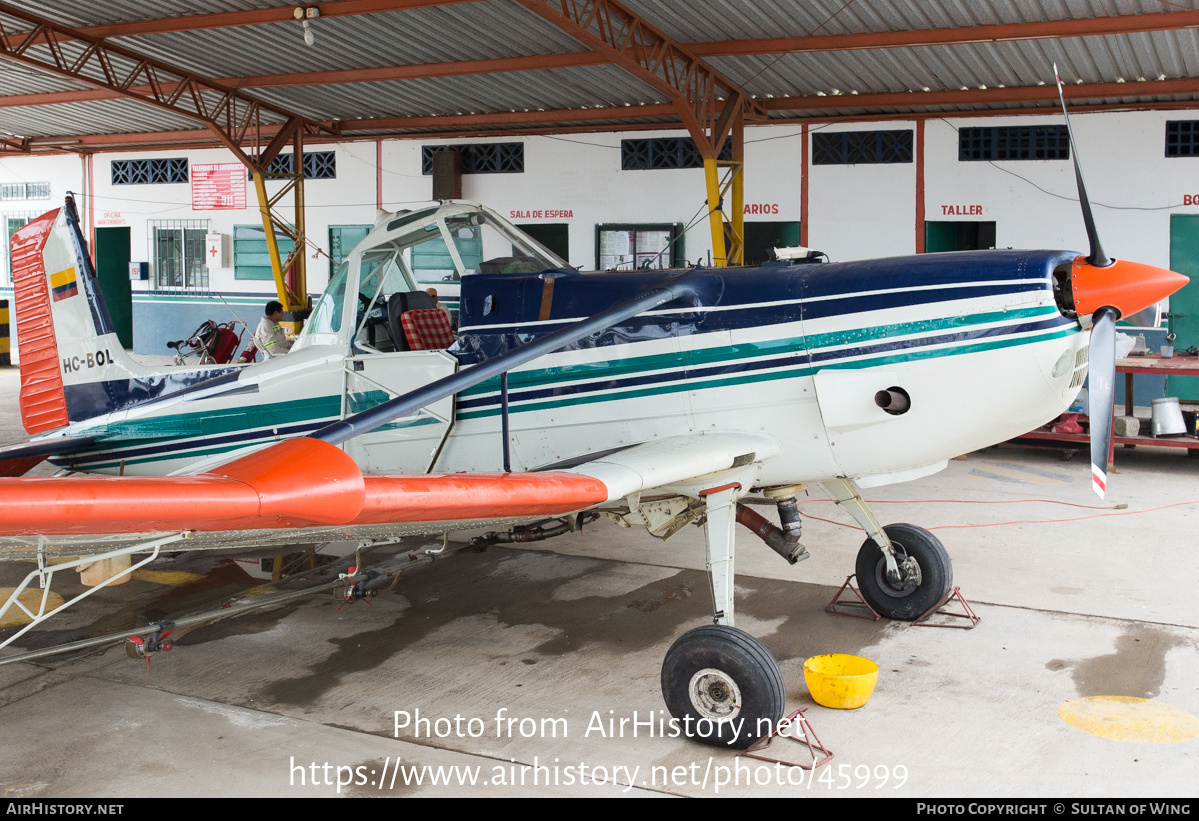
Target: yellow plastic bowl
840, 681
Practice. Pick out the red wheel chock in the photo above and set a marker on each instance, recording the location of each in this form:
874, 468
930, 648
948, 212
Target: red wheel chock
939, 610
797, 722
850, 607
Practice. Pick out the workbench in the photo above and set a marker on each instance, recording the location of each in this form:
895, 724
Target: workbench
1151, 364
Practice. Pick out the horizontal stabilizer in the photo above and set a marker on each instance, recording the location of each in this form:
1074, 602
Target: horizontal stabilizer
17, 459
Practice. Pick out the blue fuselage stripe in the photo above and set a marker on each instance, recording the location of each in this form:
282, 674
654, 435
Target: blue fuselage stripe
247, 437
756, 315
800, 358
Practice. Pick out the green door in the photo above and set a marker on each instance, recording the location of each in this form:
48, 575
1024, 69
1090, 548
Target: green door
1184, 305
553, 235
940, 236
958, 236
761, 237
112, 270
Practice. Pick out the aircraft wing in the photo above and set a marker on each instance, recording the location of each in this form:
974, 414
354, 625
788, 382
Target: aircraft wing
305, 489
678, 460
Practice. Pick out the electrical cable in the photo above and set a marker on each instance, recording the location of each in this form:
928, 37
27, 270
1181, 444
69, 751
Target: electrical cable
1064, 196
770, 65
1115, 510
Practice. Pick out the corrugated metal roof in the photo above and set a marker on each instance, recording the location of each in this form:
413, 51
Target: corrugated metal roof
704, 20
544, 90
1105, 59
76, 13
662, 123
474, 31
495, 29
18, 79
102, 117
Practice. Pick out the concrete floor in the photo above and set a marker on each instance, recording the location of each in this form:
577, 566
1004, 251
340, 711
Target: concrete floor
576, 629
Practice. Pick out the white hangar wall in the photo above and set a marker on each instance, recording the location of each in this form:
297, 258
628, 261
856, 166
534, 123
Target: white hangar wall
1132, 185
581, 175
854, 211
862, 211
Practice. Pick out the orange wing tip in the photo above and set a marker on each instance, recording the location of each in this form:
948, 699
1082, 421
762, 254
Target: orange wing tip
1125, 285
295, 483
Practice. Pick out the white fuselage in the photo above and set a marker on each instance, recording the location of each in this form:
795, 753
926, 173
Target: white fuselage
978, 370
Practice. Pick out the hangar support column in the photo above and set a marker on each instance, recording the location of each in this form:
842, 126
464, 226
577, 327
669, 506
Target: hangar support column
710, 106
241, 122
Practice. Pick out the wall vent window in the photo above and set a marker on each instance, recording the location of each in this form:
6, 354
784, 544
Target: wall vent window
149, 172
177, 253
1182, 138
12, 223
25, 191
665, 152
342, 239
318, 165
480, 158
1014, 142
862, 147
251, 259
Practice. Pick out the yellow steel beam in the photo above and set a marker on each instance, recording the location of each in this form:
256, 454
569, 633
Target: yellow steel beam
715, 215
272, 244
725, 181
736, 225
299, 251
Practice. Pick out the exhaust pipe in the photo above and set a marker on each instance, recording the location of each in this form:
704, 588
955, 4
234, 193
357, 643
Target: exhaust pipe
785, 544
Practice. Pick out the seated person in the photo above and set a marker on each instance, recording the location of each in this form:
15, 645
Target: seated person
270, 336
437, 303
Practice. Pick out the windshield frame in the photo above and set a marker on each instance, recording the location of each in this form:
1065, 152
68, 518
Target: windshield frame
392, 231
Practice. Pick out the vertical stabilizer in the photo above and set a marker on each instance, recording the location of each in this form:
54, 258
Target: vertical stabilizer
43, 402
73, 366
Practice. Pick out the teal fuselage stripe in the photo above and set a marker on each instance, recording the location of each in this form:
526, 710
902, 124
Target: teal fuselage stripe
790, 373
747, 350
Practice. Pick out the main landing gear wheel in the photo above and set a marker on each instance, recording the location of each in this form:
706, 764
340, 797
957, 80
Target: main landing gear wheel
926, 574
719, 682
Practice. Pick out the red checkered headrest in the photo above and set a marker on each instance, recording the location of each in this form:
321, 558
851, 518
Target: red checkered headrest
427, 329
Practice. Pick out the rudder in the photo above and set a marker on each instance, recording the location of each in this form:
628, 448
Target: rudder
70, 353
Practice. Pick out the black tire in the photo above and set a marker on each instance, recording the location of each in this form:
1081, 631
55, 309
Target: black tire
901, 602
701, 675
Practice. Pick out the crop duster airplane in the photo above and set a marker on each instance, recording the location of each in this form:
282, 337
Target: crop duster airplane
662, 397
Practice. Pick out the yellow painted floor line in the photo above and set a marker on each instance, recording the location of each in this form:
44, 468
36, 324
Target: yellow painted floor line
1005, 473
1125, 718
31, 597
173, 578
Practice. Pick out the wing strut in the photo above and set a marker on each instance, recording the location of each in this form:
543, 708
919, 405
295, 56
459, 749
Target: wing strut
45, 574
681, 286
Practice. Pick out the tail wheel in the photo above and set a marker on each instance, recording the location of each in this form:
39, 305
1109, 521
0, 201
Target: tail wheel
723, 686
926, 573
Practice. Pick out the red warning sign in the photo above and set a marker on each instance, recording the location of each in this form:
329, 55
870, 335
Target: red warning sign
218, 186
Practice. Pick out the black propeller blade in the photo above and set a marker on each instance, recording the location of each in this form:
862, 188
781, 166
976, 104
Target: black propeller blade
1097, 257
1101, 393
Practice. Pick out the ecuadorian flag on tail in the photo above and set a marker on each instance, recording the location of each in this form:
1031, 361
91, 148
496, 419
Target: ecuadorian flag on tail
63, 284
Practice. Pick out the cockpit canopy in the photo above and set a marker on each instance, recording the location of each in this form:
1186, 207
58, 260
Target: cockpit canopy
408, 249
